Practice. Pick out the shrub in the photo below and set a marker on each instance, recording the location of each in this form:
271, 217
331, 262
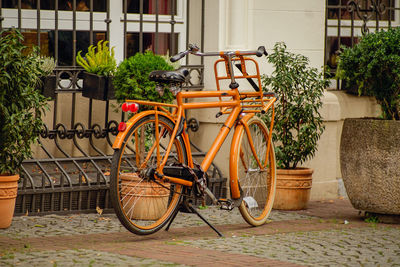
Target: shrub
101, 62
21, 105
373, 65
131, 80
298, 123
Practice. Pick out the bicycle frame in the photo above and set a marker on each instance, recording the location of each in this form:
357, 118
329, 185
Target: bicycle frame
240, 108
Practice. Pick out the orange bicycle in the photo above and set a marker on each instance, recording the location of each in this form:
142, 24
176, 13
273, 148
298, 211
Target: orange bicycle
153, 172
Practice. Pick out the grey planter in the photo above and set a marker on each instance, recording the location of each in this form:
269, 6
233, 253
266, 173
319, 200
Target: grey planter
370, 164
48, 86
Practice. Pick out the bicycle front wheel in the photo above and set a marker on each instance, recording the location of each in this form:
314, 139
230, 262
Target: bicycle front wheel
257, 178
142, 203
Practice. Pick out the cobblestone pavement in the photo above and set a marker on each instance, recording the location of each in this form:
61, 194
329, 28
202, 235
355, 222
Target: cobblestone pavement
80, 257
356, 247
51, 225
327, 234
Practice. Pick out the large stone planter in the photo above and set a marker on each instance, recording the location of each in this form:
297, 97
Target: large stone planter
370, 164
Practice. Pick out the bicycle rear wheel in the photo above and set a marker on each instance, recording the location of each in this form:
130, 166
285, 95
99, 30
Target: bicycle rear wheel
142, 203
257, 183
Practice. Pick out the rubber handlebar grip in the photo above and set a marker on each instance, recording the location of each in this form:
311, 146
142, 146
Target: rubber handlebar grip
178, 56
261, 51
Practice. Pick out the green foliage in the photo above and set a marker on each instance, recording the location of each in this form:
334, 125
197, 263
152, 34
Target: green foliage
101, 62
21, 105
131, 80
373, 65
298, 123
371, 218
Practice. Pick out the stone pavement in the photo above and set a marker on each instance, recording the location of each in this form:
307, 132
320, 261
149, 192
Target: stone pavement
328, 233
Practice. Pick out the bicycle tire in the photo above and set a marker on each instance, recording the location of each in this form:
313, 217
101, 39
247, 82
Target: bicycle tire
257, 184
142, 204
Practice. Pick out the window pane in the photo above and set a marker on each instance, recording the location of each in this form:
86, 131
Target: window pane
65, 44
149, 43
81, 5
340, 6
332, 48
149, 6
30, 40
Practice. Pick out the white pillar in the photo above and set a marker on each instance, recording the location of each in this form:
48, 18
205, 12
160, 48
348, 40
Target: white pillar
237, 24
117, 29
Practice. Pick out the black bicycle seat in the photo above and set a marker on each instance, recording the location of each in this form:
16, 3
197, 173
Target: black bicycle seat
165, 76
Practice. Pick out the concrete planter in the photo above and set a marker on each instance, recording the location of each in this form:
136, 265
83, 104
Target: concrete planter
370, 164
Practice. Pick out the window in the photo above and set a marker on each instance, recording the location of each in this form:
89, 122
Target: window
161, 27
346, 23
81, 5
164, 7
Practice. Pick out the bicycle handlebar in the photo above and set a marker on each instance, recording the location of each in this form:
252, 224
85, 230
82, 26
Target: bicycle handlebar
194, 50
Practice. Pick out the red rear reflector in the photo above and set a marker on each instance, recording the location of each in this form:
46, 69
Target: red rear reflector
133, 107
130, 107
122, 126
125, 107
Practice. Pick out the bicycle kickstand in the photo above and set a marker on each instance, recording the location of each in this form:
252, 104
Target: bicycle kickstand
193, 210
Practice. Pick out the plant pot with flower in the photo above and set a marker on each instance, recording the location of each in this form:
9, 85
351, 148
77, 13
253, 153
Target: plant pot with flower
370, 147
100, 67
21, 108
48, 80
298, 124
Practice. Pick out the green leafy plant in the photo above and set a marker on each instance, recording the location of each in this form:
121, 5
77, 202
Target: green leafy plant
100, 62
21, 105
131, 81
373, 65
298, 123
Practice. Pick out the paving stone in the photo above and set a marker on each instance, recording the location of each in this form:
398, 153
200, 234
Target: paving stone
50, 225
81, 257
349, 247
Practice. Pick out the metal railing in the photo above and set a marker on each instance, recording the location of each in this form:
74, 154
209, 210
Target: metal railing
70, 170
348, 20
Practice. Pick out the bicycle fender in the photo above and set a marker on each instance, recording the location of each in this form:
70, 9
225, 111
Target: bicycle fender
129, 124
233, 171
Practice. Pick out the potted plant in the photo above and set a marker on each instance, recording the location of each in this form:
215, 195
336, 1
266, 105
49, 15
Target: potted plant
100, 67
48, 80
298, 123
21, 108
131, 81
370, 147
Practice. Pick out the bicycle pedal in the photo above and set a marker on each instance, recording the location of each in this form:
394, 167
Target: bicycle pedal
226, 204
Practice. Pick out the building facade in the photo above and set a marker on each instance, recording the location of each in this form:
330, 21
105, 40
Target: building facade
313, 28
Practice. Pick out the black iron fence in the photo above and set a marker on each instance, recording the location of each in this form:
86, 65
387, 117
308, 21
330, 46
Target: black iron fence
71, 167
348, 20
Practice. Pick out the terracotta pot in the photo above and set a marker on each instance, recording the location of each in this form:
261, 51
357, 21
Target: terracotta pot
292, 189
8, 194
143, 200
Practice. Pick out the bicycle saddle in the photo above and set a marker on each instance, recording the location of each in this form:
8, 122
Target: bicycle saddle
165, 76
